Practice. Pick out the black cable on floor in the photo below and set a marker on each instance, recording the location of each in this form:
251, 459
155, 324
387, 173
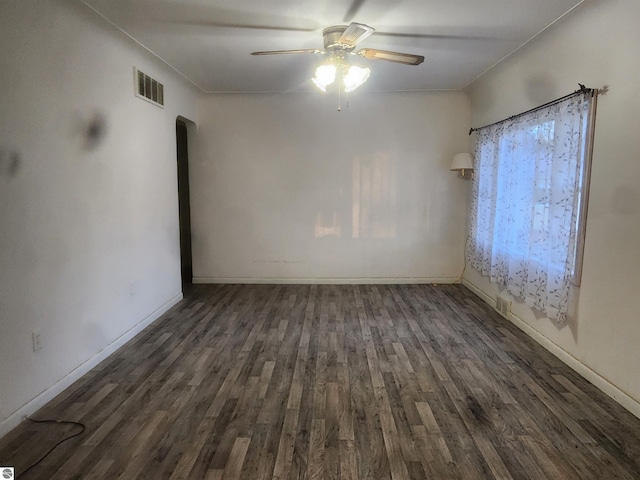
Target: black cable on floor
63, 422
464, 268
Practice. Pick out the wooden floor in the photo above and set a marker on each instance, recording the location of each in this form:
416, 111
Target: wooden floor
354, 382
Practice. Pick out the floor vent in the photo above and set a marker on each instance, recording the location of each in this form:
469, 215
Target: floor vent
503, 306
148, 88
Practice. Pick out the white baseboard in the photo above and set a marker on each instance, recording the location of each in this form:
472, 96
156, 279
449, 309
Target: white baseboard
327, 280
50, 393
585, 371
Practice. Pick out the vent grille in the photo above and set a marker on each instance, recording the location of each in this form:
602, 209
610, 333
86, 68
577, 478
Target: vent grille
148, 88
503, 306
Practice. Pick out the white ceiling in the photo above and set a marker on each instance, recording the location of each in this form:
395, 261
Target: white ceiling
210, 41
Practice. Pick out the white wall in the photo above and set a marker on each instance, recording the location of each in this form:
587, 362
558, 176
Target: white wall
89, 248
287, 189
596, 45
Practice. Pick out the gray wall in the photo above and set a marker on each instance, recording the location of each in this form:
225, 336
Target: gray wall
89, 248
596, 45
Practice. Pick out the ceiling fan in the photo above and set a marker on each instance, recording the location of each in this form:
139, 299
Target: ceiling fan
343, 39
340, 42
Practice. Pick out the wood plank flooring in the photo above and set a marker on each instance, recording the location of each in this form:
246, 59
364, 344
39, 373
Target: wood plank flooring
327, 382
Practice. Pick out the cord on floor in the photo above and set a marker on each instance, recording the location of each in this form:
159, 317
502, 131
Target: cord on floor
63, 422
464, 268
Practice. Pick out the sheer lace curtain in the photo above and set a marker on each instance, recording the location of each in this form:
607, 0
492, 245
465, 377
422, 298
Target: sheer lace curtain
527, 201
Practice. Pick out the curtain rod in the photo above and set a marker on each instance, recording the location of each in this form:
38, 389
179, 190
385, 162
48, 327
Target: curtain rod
581, 90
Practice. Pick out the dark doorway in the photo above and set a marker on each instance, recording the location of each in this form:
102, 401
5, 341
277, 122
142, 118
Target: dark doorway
183, 204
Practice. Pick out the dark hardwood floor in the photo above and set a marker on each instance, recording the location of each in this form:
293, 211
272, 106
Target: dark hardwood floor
354, 382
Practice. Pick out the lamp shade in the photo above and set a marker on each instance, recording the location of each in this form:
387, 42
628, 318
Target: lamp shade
462, 161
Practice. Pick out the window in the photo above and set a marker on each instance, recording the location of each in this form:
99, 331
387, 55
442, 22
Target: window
528, 205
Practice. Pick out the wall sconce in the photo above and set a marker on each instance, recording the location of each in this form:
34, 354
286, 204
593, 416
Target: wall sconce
463, 164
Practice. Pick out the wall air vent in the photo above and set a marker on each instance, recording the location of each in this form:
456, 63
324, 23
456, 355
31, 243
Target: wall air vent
503, 306
147, 88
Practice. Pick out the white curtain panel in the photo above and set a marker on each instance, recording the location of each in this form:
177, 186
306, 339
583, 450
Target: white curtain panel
525, 208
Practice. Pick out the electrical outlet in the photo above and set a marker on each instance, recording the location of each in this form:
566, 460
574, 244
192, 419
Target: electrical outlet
36, 336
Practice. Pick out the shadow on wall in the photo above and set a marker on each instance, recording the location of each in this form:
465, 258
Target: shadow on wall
91, 129
10, 161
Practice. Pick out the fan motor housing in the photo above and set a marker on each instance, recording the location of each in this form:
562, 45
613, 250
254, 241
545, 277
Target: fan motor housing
332, 36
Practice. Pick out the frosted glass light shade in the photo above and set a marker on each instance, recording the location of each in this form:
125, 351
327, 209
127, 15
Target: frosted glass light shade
355, 77
325, 76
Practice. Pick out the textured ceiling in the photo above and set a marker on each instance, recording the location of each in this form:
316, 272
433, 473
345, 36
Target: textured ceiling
210, 41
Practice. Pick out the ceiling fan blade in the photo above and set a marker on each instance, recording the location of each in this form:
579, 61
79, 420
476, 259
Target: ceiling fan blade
249, 26
428, 36
355, 33
405, 58
278, 52
353, 10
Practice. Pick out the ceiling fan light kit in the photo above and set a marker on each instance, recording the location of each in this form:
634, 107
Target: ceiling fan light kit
339, 43
337, 66
354, 77
325, 76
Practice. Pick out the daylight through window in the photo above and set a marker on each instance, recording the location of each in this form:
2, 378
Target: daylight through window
528, 205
